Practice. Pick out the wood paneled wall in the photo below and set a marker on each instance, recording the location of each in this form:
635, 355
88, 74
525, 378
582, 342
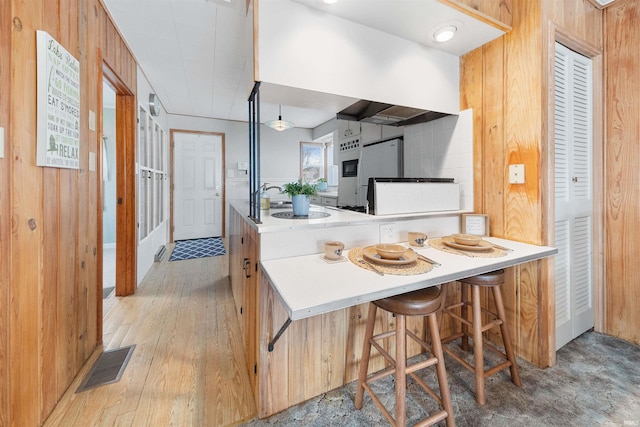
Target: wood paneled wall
49, 232
506, 83
497, 12
622, 177
5, 208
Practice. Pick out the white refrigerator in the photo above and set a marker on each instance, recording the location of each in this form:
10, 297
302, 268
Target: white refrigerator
383, 159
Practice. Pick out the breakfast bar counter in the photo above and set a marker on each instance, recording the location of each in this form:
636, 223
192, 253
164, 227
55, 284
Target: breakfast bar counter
308, 285
303, 319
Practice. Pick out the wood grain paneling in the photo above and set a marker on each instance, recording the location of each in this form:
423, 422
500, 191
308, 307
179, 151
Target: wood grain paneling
5, 207
506, 84
316, 354
499, 10
28, 228
49, 217
495, 13
622, 56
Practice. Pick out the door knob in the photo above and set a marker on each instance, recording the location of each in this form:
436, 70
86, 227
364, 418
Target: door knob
574, 179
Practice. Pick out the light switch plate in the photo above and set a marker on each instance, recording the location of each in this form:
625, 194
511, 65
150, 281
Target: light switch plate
1, 143
92, 120
516, 174
243, 166
92, 161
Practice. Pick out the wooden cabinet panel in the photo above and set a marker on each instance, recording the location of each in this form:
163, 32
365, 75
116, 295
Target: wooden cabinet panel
244, 273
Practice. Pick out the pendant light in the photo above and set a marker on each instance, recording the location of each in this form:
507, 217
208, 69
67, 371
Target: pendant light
279, 124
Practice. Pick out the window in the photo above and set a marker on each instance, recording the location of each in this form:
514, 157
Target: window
330, 171
151, 174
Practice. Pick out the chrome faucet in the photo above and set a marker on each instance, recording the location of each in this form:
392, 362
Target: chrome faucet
265, 188
256, 194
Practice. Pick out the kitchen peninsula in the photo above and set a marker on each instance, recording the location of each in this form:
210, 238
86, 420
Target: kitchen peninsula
281, 284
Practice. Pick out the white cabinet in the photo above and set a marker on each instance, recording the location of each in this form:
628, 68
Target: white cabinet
348, 129
329, 201
324, 200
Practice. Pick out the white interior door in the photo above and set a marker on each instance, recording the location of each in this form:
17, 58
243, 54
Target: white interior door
573, 195
198, 186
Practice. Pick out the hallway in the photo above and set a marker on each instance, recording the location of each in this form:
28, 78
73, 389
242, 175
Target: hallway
188, 366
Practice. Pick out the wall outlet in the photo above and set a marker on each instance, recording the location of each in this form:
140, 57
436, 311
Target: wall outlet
388, 233
516, 174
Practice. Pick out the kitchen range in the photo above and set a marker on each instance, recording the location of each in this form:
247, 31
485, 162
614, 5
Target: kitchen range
374, 182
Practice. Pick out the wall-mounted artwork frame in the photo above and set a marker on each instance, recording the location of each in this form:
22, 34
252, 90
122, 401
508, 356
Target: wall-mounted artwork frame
476, 224
58, 105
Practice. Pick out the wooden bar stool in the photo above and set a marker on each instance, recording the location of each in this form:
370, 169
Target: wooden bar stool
425, 302
492, 280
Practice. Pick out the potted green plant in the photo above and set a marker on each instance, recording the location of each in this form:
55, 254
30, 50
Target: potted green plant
299, 193
322, 184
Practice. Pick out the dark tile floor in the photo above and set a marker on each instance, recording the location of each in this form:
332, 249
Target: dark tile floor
596, 382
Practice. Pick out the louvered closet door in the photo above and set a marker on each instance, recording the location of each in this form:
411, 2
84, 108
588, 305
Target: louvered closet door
573, 195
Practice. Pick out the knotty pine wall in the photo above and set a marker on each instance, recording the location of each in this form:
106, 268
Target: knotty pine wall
506, 83
49, 218
622, 176
5, 209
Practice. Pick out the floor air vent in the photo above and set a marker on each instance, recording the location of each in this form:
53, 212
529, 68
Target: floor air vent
107, 369
160, 253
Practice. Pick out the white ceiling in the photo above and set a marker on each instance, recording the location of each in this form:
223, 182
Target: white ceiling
193, 51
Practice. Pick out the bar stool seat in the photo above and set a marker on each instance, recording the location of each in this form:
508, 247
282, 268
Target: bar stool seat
424, 302
494, 281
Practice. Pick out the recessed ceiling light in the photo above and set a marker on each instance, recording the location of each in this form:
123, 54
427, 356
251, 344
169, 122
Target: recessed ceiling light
329, 1
445, 33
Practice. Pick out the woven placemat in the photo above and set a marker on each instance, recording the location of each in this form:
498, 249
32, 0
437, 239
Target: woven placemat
493, 253
417, 267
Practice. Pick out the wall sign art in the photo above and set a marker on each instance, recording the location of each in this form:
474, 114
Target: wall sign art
477, 224
58, 114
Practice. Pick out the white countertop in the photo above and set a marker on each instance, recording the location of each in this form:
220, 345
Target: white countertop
309, 286
337, 217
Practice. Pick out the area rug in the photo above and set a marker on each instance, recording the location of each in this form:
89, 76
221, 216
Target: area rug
197, 248
107, 369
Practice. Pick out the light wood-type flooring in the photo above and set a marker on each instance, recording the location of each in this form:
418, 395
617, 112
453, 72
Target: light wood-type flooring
188, 367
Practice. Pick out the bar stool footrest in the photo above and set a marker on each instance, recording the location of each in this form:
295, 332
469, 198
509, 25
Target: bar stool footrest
435, 418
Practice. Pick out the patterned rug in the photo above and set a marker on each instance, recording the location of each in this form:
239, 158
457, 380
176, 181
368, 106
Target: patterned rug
197, 248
